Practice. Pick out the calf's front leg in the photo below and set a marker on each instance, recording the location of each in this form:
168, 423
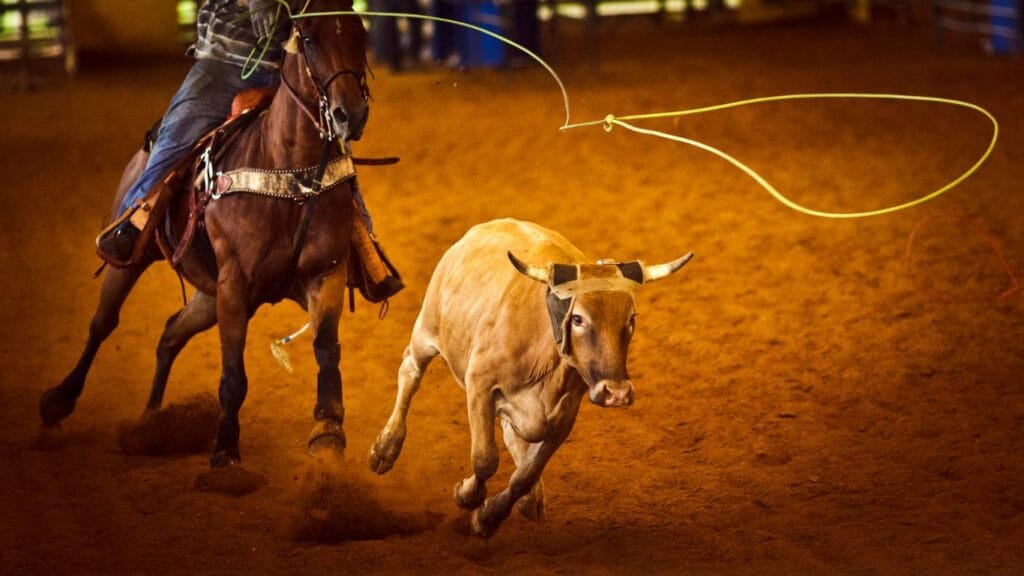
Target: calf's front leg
495, 510
532, 504
472, 491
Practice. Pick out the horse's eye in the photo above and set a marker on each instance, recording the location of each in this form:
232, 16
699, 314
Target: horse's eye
577, 320
308, 41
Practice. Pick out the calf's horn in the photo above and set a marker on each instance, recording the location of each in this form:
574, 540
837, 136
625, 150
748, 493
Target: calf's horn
538, 273
659, 271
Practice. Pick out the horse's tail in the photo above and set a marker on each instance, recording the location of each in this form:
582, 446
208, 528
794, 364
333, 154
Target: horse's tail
277, 347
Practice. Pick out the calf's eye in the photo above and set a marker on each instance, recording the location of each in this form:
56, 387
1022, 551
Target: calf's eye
577, 320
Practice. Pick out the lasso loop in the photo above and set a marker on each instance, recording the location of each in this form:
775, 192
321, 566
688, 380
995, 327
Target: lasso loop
610, 121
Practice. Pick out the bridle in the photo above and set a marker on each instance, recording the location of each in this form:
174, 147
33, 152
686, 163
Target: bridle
321, 120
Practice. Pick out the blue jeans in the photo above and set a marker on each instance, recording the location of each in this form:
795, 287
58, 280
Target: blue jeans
202, 103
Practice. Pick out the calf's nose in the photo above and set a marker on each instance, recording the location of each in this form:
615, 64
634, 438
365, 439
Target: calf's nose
612, 394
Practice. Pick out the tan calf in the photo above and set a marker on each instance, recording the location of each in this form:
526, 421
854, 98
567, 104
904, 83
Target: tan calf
528, 328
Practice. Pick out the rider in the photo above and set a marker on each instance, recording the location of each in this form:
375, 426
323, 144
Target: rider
228, 32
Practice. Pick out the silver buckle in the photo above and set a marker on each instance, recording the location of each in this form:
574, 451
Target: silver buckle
209, 182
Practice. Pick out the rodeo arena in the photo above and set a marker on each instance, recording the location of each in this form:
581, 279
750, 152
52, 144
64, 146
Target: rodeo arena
512, 287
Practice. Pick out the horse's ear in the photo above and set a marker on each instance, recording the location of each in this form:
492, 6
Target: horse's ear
292, 45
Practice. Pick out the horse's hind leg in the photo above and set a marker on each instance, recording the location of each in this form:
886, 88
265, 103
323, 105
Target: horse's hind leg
198, 315
324, 301
58, 402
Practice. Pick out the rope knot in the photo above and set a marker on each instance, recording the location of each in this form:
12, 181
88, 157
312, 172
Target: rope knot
609, 122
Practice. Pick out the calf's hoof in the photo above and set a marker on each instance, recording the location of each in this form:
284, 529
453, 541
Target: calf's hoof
223, 459
531, 507
480, 526
327, 437
54, 406
386, 449
469, 497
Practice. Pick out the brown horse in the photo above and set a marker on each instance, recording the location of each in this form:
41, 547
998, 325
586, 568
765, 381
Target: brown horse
259, 252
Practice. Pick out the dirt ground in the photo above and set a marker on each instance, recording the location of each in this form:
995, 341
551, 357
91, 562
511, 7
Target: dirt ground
810, 400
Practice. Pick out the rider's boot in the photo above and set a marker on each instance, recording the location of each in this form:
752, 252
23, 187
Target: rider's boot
125, 242
119, 244
372, 272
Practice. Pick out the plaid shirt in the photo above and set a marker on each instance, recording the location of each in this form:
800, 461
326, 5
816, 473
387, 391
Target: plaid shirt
225, 34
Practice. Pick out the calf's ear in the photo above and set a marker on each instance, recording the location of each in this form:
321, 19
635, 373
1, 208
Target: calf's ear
659, 271
538, 273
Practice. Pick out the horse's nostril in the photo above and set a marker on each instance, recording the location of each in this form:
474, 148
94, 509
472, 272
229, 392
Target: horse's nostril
339, 116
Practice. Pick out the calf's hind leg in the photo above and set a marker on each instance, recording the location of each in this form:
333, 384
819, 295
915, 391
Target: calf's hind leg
324, 301
388, 444
58, 402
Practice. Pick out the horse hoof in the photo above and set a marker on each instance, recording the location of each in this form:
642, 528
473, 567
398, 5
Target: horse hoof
469, 501
221, 459
54, 406
385, 451
327, 436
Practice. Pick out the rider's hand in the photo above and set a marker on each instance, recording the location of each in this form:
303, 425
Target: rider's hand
263, 14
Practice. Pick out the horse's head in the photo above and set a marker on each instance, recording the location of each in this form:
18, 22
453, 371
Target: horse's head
326, 64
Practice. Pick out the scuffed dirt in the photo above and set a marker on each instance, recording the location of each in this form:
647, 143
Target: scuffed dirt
185, 427
338, 504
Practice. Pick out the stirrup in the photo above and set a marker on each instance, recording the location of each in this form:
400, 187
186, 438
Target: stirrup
148, 211
115, 224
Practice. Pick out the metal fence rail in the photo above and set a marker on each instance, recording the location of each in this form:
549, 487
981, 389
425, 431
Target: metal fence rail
33, 35
998, 20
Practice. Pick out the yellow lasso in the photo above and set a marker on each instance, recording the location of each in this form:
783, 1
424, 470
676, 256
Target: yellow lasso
610, 121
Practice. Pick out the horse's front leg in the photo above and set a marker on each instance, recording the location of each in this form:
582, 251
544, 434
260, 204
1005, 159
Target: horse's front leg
233, 321
58, 402
324, 301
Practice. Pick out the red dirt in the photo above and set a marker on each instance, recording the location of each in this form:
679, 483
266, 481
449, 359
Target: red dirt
801, 406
